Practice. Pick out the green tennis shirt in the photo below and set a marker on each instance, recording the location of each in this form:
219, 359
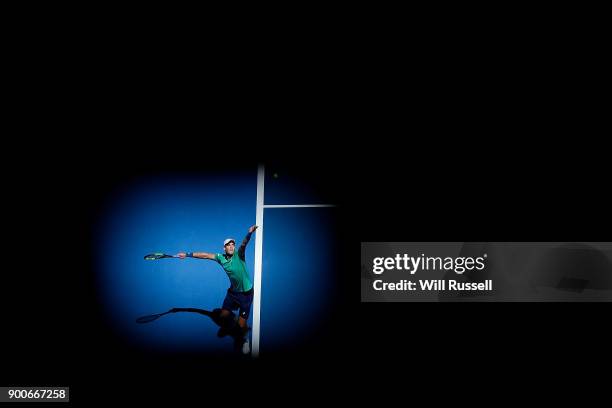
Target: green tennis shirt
236, 270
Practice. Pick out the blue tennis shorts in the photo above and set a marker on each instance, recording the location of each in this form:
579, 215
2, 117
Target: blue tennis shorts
239, 300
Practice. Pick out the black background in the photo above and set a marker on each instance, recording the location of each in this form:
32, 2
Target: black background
430, 157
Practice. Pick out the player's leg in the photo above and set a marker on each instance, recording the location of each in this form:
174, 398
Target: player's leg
229, 303
246, 300
227, 322
242, 325
225, 314
226, 317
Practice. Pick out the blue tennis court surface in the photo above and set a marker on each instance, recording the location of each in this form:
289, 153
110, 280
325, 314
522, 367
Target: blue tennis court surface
299, 273
188, 212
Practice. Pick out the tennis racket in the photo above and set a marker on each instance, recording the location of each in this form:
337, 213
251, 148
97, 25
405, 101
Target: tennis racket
158, 255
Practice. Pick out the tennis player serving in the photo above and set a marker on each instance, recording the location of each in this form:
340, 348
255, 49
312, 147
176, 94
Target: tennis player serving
240, 294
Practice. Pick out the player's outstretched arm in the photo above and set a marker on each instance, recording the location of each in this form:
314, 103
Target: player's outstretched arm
245, 241
199, 255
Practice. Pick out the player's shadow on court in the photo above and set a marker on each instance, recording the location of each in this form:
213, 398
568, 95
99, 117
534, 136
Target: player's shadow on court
214, 315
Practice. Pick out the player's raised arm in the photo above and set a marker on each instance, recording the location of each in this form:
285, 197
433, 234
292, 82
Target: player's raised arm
199, 255
245, 241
